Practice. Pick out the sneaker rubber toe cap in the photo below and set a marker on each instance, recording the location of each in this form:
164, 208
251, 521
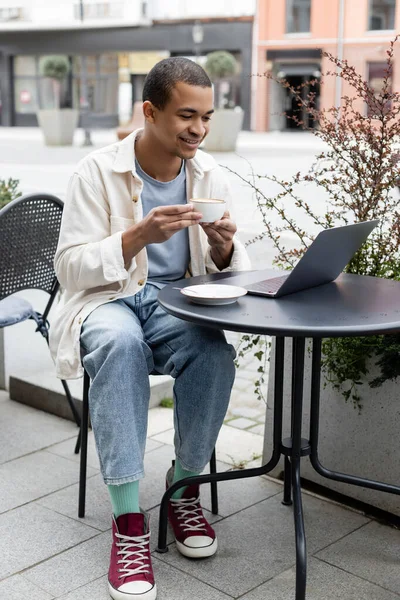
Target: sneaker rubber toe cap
134, 590
198, 546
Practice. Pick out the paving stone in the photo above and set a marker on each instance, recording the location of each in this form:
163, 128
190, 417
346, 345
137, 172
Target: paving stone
17, 588
66, 449
258, 429
73, 568
98, 505
233, 445
246, 411
31, 533
240, 423
324, 582
258, 543
25, 430
33, 476
372, 552
160, 419
237, 494
171, 585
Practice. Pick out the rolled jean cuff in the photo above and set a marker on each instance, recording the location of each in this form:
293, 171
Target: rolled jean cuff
121, 480
193, 469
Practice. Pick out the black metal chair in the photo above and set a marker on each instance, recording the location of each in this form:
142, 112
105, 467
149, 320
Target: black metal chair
29, 230
83, 440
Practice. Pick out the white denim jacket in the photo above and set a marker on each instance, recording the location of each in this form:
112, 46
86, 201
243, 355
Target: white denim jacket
103, 200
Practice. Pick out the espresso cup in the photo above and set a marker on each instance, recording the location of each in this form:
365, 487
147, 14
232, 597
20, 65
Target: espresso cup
212, 209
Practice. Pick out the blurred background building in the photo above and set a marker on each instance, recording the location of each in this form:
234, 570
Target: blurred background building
112, 44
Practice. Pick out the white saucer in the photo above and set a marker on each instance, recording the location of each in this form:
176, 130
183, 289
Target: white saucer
213, 294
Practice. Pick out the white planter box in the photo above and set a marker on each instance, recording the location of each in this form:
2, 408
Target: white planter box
365, 444
58, 126
226, 125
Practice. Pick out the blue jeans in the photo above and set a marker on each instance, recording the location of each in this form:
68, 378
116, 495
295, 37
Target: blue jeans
122, 343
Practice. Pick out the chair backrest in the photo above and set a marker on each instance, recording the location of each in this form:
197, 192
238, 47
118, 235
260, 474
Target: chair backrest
29, 230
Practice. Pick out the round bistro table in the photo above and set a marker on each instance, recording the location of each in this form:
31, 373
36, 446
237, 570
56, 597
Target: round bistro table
352, 305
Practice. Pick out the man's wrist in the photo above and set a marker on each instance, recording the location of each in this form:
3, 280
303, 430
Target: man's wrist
222, 255
132, 242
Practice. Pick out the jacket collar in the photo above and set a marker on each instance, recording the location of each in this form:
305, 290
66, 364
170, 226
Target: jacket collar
125, 158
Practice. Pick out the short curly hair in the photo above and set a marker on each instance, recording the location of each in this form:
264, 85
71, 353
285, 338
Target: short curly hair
166, 74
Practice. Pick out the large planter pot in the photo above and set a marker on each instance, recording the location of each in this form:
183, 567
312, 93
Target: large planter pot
58, 126
363, 443
225, 127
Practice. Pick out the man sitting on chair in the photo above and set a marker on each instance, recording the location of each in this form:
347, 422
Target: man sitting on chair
128, 230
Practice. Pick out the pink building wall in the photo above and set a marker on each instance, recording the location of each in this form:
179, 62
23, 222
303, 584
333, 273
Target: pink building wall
360, 45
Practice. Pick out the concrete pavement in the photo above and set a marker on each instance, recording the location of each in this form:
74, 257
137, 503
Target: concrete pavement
47, 552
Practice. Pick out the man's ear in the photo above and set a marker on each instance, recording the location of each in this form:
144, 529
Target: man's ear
149, 111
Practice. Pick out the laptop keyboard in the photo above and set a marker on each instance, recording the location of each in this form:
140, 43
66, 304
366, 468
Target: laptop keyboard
269, 286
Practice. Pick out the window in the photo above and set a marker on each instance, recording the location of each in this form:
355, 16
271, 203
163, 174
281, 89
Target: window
381, 14
376, 74
100, 10
31, 90
102, 83
12, 14
298, 14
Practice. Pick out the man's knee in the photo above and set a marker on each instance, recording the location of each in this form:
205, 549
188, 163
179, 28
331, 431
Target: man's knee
123, 343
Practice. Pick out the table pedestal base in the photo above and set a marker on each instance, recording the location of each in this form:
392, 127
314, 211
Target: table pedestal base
293, 449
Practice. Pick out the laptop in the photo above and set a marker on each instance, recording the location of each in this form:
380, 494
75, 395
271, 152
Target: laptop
323, 261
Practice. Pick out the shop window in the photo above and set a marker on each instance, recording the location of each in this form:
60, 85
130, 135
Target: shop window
25, 65
101, 83
26, 95
381, 15
298, 14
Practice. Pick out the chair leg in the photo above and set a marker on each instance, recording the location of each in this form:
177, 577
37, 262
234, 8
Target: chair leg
71, 403
78, 441
213, 485
45, 333
84, 441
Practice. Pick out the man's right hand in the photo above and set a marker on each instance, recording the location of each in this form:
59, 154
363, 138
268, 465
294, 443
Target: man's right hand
158, 226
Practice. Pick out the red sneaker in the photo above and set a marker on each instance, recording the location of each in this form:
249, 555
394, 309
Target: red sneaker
194, 536
130, 576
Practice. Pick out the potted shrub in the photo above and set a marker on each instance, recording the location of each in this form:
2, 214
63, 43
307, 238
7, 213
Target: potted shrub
8, 191
227, 120
58, 124
356, 177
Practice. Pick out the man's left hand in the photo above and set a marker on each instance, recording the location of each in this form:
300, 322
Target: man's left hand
220, 235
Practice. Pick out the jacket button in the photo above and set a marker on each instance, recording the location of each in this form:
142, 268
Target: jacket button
80, 321
135, 198
141, 282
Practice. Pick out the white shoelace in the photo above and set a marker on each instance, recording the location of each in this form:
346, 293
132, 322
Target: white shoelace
189, 511
133, 556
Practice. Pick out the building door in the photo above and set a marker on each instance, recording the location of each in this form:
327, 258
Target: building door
293, 109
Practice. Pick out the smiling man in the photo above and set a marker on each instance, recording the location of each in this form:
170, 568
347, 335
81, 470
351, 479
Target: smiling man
128, 230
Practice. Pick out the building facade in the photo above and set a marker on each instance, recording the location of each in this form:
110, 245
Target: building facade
290, 37
111, 45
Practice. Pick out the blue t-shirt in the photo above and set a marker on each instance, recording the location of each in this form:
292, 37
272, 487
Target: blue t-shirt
169, 260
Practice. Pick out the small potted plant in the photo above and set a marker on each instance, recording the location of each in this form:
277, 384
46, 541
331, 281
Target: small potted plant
58, 124
227, 120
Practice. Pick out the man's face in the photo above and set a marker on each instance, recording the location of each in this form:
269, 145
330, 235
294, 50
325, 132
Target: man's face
185, 121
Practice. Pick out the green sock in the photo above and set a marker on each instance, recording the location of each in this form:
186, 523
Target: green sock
181, 473
124, 498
